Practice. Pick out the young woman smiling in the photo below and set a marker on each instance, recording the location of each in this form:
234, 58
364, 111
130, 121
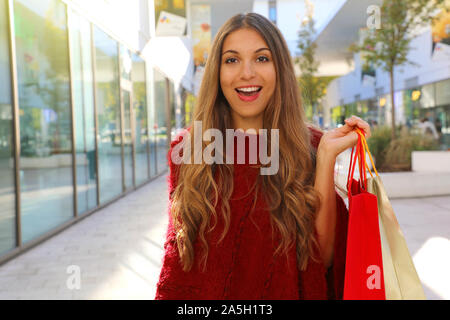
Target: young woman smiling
236, 234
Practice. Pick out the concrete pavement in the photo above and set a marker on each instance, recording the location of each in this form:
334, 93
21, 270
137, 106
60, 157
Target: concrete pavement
116, 253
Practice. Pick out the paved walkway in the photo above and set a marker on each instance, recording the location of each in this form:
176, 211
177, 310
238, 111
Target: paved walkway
118, 250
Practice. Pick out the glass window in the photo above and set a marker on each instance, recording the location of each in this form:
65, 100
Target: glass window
161, 123
125, 73
128, 140
45, 115
7, 184
443, 93
141, 124
83, 96
426, 96
273, 11
151, 116
108, 113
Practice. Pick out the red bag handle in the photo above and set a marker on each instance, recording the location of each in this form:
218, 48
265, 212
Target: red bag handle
358, 155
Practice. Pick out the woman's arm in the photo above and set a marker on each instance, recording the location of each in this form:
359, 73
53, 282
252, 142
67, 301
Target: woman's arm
331, 145
326, 217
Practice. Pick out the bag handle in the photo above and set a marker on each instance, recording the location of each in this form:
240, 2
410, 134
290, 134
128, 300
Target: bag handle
360, 157
366, 149
353, 159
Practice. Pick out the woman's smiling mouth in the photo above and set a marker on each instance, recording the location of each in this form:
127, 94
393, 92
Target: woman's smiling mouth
248, 93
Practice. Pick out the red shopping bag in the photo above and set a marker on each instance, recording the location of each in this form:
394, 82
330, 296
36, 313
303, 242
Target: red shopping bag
364, 265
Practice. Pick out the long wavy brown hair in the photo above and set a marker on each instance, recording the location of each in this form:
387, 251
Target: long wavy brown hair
289, 194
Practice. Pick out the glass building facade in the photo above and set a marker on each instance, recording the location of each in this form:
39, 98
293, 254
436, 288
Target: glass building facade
430, 101
79, 126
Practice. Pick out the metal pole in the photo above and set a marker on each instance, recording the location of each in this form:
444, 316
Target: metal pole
16, 118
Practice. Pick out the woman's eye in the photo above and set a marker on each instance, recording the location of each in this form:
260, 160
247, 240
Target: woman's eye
260, 59
230, 60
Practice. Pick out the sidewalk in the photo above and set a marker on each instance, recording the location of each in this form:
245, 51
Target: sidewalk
119, 250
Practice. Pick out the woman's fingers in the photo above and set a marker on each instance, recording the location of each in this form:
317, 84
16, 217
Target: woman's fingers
356, 121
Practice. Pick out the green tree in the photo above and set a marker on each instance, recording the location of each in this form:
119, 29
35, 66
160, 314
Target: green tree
388, 46
313, 88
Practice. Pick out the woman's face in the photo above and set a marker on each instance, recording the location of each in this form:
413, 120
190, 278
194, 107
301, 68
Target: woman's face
247, 77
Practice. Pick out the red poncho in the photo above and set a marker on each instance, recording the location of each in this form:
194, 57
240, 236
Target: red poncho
242, 267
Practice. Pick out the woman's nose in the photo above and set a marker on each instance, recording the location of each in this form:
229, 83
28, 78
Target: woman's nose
247, 70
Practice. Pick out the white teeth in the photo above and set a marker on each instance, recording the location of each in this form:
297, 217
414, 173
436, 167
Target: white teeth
251, 89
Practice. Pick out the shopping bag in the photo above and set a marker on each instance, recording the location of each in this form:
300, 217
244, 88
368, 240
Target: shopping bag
364, 265
400, 276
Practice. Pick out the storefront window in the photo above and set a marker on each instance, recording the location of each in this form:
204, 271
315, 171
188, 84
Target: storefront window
443, 93
426, 96
108, 113
140, 114
151, 118
7, 184
126, 87
83, 97
160, 119
45, 115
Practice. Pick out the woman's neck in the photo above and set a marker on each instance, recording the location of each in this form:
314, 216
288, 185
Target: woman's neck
248, 125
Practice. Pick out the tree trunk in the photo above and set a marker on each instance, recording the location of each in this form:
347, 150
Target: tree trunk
391, 76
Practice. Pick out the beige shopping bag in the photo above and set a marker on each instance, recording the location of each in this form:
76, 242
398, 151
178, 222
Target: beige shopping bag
400, 276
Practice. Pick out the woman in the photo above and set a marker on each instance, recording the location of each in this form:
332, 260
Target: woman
234, 233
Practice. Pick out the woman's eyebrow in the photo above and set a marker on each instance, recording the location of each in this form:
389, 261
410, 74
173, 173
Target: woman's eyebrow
235, 52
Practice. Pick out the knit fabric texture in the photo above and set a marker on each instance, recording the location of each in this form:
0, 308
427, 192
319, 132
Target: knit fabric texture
243, 266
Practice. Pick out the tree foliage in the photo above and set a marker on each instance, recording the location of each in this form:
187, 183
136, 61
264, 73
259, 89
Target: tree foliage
388, 46
313, 88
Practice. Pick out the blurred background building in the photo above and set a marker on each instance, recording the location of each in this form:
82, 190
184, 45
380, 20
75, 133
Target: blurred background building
92, 92
422, 90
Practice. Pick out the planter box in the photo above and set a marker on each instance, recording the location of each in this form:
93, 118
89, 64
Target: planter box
430, 176
430, 161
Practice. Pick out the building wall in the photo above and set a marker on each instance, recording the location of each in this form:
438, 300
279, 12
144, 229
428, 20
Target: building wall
420, 91
343, 90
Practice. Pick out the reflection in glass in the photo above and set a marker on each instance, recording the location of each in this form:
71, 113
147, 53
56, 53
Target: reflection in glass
160, 121
83, 96
125, 73
7, 184
108, 112
128, 141
151, 113
140, 114
45, 121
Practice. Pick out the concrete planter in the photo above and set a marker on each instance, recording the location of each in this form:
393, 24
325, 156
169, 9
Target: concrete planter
430, 161
430, 175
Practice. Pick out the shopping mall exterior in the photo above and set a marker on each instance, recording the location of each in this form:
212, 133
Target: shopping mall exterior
83, 117
88, 105
421, 89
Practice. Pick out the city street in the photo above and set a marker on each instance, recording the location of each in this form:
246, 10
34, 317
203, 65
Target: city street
118, 250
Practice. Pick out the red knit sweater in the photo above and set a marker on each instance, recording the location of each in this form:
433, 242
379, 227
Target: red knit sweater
242, 265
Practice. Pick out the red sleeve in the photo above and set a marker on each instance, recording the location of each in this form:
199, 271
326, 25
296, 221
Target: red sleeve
172, 284
336, 272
